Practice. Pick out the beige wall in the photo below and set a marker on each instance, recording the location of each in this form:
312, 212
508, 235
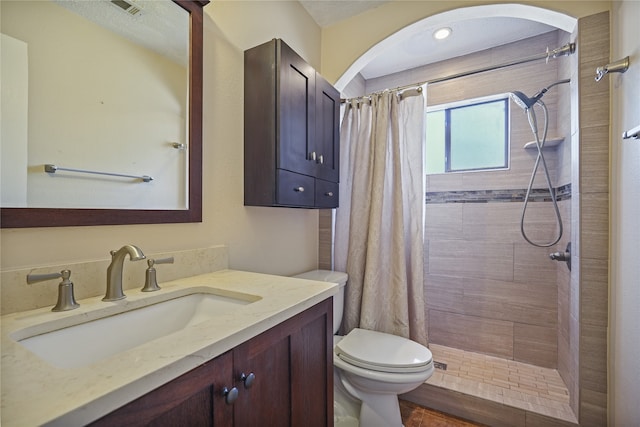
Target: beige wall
281, 241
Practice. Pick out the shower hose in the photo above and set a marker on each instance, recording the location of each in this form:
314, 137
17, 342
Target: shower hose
531, 115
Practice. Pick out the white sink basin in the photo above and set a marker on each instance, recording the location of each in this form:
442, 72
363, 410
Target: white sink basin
86, 343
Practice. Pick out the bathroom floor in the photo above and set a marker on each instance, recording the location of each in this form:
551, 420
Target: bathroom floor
515, 384
417, 416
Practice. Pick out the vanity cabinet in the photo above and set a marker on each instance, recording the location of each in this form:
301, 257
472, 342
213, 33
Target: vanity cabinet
293, 385
291, 131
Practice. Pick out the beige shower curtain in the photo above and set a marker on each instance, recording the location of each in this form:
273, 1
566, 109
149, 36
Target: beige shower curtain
379, 225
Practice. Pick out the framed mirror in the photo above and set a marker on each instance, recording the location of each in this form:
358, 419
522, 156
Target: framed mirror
189, 205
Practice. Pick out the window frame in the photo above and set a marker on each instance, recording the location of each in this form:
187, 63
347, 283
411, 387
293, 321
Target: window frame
447, 107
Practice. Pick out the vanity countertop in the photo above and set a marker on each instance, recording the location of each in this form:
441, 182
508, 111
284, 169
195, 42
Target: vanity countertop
36, 393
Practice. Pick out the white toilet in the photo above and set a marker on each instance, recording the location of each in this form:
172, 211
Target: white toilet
371, 368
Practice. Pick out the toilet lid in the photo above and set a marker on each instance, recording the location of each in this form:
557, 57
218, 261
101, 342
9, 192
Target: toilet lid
382, 352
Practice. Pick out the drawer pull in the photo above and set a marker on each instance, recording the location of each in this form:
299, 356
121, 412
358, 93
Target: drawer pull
247, 379
329, 194
299, 189
230, 396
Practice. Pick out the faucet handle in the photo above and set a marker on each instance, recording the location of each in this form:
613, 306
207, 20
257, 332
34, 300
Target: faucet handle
35, 278
151, 281
66, 300
168, 260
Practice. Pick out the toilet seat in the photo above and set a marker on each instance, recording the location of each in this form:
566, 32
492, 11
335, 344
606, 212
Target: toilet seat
382, 352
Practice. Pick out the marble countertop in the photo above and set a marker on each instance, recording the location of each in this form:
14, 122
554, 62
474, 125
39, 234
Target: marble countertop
37, 393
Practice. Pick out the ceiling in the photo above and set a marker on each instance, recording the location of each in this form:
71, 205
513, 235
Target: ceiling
469, 35
329, 12
153, 28
157, 25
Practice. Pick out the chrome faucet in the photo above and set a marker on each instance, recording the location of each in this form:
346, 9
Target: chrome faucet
114, 271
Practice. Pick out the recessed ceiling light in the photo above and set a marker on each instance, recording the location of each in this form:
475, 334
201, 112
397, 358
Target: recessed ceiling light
442, 33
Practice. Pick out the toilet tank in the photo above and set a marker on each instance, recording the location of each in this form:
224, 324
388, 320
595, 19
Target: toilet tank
338, 299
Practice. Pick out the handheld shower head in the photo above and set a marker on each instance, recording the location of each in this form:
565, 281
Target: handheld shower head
525, 102
522, 100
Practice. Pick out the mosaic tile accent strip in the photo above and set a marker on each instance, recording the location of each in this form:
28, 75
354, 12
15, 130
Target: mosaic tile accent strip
493, 196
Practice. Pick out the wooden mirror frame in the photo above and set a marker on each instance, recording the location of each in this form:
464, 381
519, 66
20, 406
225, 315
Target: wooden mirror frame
58, 217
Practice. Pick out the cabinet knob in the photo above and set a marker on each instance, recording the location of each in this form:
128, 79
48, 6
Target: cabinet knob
247, 379
299, 189
329, 194
320, 159
312, 156
230, 396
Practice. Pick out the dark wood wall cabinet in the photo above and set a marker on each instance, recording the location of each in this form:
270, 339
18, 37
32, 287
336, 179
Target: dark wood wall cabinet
282, 377
291, 131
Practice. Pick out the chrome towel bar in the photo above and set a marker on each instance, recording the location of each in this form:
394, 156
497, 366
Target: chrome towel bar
49, 168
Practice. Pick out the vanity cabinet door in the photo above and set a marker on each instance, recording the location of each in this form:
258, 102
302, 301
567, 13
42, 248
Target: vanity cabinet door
268, 401
193, 399
293, 367
312, 368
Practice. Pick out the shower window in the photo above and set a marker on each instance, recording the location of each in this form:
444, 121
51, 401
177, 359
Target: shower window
468, 136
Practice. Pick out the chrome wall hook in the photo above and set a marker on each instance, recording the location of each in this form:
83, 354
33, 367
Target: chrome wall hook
615, 67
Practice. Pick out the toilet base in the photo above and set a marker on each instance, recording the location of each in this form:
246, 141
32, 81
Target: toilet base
346, 408
344, 420
381, 411
376, 409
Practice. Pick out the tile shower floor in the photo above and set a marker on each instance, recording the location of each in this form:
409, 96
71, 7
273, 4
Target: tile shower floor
516, 384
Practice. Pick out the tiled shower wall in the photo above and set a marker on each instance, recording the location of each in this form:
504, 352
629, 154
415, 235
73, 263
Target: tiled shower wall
589, 292
567, 349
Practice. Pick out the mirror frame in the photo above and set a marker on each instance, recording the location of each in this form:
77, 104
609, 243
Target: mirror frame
62, 217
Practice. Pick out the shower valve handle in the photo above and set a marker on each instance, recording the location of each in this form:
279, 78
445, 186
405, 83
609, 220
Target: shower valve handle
563, 256
560, 256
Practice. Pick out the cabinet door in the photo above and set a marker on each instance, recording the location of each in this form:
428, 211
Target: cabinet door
193, 399
296, 112
327, 131
326, 194
268, 401
312, 368
293, 367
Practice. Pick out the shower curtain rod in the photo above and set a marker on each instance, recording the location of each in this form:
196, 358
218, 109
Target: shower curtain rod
565, 50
